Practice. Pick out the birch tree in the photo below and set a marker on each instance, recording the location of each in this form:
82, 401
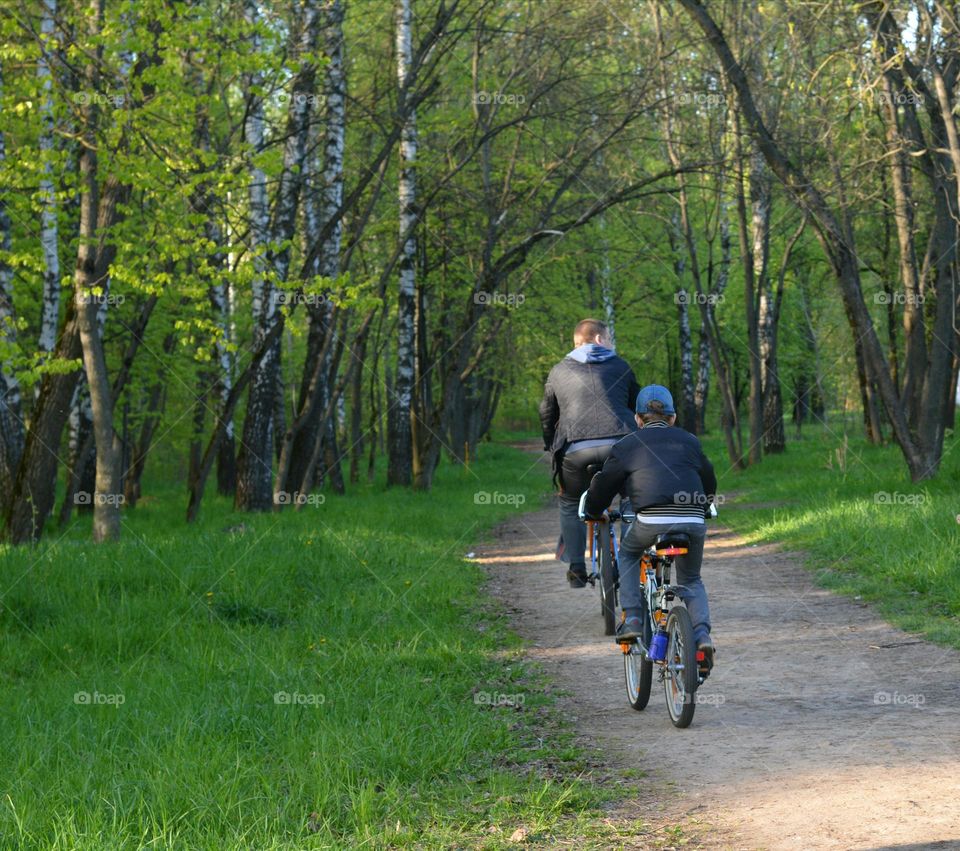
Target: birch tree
49, 231
254, 467
11, 420
322, 214
400, 439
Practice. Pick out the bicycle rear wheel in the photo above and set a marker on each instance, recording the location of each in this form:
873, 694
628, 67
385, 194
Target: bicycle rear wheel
680, 674
608, 591
638, 670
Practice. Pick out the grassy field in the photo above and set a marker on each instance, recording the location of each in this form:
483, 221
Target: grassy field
867, 530
334, 678
327, 678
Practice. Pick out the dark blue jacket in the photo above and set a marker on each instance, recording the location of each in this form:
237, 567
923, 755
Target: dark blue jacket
659, 466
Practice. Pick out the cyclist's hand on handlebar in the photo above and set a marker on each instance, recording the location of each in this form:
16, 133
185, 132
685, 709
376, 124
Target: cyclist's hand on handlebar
582, 510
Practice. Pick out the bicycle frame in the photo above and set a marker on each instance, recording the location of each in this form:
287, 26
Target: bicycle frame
594, 546
658, 594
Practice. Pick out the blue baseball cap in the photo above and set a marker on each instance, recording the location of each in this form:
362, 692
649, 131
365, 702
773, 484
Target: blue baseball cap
655, 393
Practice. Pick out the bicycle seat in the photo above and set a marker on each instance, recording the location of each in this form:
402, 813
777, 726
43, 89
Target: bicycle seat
672, 544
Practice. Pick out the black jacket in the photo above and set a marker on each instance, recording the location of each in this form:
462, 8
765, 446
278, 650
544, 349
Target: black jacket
661, 465
587, 400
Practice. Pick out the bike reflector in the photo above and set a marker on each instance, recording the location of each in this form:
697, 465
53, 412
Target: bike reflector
672, 551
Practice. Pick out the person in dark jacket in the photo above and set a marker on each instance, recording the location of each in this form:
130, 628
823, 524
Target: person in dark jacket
670, 483
587, 406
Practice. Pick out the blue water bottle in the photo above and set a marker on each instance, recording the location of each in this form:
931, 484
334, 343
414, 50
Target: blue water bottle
658, 647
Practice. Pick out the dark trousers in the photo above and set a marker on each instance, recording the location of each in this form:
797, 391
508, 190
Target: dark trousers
574, 480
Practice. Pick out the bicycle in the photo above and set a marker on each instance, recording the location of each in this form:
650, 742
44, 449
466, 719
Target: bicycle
604, 558
667, 642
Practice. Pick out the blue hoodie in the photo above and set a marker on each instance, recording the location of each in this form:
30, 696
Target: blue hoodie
591, 353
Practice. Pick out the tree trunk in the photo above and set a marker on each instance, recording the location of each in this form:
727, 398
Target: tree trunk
226, 454
49, 238
11, 417
321, 214
774, 437
716, 295
255, 467
81, 473
356, 414
915, 346
89, 295
688, 405
254, 464
753, 254
400, 453
953, 400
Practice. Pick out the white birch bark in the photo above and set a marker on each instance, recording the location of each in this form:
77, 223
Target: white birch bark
322, 199
254, 465
254, 476
11, 423
401, 449
49, 237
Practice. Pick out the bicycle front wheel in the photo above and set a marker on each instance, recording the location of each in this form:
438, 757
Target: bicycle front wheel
680, 668
608, 591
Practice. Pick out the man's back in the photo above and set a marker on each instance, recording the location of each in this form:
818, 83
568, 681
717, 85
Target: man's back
658, 465
588, 395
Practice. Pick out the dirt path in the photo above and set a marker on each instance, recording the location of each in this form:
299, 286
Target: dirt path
822, 727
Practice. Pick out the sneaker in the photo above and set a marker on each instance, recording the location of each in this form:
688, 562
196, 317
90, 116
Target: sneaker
629, 630
705, 653
577, 575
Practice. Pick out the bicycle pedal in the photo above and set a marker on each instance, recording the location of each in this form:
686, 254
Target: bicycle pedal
703, 665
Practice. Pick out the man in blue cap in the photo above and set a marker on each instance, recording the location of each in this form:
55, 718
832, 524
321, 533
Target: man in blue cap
670, 483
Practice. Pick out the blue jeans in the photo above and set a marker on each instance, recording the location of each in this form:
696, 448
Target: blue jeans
641, 535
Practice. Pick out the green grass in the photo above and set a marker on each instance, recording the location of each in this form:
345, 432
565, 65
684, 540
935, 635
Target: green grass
312, 679
866, 529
